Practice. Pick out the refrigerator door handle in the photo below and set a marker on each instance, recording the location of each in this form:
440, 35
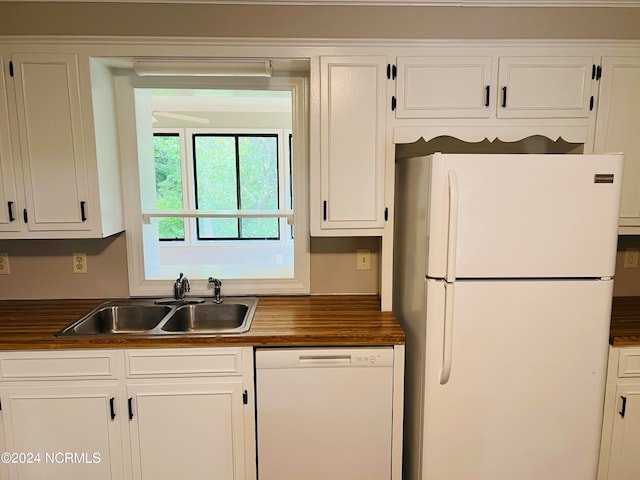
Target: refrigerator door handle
452, 184
447, 335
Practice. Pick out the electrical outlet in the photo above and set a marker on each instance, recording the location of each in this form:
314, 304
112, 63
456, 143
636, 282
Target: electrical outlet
4, 263
363, 256
79, 262
631, 257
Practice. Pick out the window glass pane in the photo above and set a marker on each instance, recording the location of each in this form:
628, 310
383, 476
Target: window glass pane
215, 182
166, 148
258, 166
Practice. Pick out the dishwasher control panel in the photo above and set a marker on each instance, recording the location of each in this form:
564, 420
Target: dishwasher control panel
324, 357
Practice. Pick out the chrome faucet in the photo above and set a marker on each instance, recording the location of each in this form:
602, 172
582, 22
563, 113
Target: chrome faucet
180, 287
217, 285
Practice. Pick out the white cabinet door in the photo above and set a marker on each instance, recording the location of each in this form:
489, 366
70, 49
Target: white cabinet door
52, 148
624, 461
64, 432
191, 430
352, 143
544, 87
617, 129
8, 193
444, 87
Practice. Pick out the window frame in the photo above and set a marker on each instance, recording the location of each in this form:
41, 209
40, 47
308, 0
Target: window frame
129, 129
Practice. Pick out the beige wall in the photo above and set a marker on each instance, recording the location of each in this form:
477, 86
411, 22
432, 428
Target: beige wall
627, 280
43, 268
199, 20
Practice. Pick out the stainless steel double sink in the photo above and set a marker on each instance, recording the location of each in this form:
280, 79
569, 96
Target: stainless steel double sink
147, 318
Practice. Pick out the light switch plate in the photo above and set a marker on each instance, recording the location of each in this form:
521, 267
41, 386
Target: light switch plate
363, 256
4, 263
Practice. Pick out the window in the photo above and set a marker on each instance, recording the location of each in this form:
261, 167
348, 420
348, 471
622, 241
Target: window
219, 186
168, 154
236, 172
231, 171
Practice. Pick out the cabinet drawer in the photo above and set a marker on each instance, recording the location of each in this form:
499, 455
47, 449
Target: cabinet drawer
58, 365
191, 361
629, 362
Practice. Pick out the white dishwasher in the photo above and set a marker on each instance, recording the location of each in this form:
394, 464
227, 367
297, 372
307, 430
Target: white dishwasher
324, 413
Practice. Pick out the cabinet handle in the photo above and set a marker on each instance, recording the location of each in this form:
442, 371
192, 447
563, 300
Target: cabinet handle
624, 406
504, 97
25, 217
130, 402
487, 96
82, 212
10, 207
112, 408
324, 210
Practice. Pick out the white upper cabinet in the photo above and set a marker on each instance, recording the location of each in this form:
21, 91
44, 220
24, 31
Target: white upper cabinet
493, 86
351, 196
617, 130
54, 152
544, 87
51, 141
8, 194
444, 87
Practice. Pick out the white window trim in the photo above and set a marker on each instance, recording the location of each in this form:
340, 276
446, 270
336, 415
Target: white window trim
125, 82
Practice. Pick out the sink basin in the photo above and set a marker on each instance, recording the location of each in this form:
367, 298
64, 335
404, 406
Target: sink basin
233, 315
116, 318
146, 318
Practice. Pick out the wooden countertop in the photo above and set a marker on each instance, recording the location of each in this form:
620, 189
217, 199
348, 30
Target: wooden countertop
290, 320
625, 322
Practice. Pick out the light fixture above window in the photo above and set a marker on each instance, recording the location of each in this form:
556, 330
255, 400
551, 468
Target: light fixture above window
202, 67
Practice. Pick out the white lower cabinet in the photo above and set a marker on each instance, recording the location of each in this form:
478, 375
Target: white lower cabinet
124, 414
187, 430
620, 450
624, 462
62, 432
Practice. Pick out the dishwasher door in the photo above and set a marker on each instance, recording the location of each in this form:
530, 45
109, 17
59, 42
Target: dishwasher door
324, 413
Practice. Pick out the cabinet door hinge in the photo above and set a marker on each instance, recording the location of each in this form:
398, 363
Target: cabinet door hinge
393, 103
10, 68
392, 71
591, 104
245, 397
623, 410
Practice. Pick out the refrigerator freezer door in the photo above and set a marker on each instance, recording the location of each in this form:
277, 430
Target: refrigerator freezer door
523, 216
524, 395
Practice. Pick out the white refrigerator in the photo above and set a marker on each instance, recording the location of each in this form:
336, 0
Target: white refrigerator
503, 277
